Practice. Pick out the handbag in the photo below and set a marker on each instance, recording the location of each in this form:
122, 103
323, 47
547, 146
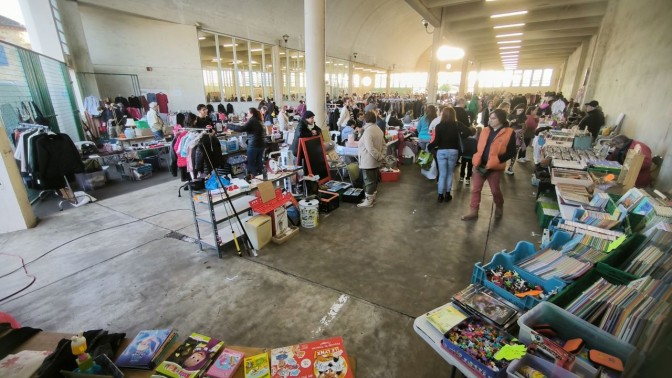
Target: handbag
425, 159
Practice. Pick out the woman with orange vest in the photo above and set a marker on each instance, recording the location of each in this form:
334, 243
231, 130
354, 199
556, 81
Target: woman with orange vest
496, 146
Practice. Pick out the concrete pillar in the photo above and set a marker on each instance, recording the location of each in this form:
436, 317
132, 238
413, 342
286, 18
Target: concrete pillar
41, 28
603, 39
464, 76
580, 69
79, 57
432, 77
277, 77
561, 78
16, 211
314, 18
387, 82
351, 71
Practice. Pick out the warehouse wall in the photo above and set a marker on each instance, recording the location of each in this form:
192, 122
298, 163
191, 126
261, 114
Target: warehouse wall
120, 43
634, 76
571, 70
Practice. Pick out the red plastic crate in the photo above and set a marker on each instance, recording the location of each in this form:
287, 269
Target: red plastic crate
279, 200
389, 176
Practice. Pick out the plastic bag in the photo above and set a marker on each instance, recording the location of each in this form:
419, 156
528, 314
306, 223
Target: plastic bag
213, 183
425, 159
432, 172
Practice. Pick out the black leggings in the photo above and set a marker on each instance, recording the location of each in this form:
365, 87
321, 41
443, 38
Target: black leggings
523, 151
466, 164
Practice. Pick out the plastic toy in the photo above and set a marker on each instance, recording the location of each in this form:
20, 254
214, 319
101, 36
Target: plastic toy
85, 363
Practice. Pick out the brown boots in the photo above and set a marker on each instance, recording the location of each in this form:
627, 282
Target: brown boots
472, 215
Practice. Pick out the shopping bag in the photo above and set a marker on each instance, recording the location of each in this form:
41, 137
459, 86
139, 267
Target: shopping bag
432, 172
425, 159
213, 183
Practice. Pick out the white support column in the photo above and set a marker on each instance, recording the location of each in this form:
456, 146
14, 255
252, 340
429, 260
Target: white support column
16, 211
464, 76
41, 28
314, 18
236, 74
387, 83
432, 78
277, 77
350, 73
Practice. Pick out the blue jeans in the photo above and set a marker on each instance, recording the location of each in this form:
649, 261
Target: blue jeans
255, 162
158, 135
445, 162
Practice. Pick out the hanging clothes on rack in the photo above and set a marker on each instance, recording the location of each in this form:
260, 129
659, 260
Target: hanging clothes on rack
134, 102
122, 100
55, 156
151, 97
144, 103
91, 105
162, 100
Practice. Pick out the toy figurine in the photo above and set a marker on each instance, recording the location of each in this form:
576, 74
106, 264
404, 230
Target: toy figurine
85, 363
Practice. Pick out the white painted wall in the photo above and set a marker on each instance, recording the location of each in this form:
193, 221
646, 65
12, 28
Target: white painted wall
635, 78
119, 43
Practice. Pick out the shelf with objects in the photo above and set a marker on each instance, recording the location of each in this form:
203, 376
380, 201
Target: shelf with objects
164, 352
593, 299
226, 207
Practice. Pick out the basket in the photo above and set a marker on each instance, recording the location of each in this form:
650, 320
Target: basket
601, 270
328, 201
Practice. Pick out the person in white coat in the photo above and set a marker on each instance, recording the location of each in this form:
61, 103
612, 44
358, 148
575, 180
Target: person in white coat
155, 122
371, 153
346, 113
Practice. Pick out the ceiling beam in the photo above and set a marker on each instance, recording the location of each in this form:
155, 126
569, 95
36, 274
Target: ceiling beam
432, 16
536, 21
526, 43
485, 10
469, 7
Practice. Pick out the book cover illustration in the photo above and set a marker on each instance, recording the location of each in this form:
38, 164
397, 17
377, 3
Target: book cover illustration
226, 365
191, 358
23, 364
140, 353
445, 317
315, 359
330, 359
257, 366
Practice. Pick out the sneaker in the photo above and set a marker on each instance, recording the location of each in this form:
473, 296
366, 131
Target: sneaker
448, 196
522, 160
440, 198
467, 182
461, 179
509, 171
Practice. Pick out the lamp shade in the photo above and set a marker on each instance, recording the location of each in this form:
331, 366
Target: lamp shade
130, 122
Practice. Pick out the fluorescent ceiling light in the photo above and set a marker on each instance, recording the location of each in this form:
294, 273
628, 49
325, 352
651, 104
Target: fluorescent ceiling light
509, 53
510, 61
518, 13
508, 47
254, 50
445, 53
508, 35
201, 38
505, 42
507, 26
229, 45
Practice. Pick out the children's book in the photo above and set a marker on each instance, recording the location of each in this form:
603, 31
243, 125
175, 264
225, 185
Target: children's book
445, 317
226, 365
191, 358
257, 366
322, 358
145, 349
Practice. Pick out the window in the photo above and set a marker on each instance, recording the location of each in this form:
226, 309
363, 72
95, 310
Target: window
527, 76
536, 78
516, 78
546, 78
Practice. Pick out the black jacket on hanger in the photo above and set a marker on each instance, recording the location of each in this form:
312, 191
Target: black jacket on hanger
57, 156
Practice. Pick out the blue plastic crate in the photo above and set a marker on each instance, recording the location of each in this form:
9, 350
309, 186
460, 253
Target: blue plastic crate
508, 261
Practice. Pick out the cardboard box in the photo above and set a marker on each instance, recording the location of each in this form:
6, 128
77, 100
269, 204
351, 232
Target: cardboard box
280, 222
143, 132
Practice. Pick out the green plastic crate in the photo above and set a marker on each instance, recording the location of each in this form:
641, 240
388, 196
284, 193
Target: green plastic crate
140, 124
618, 256
601, 270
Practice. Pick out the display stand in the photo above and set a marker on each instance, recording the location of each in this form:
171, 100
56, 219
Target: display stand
311, 151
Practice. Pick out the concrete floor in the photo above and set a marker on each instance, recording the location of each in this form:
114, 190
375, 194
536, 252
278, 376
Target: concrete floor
112, 265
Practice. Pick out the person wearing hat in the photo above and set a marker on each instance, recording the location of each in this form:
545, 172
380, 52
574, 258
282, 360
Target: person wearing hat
306, 129
155, 122
594, 119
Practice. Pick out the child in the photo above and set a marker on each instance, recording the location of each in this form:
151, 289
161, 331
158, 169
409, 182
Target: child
469, 146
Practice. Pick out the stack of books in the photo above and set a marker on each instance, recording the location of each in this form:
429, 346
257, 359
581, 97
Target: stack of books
635, 313
653, 257
603, 220
321, 358
575, 195
551, 263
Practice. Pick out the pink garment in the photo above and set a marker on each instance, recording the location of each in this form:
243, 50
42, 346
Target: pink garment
162, 100
477, 182
135, 113
181, 161
6, 318
144, 103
